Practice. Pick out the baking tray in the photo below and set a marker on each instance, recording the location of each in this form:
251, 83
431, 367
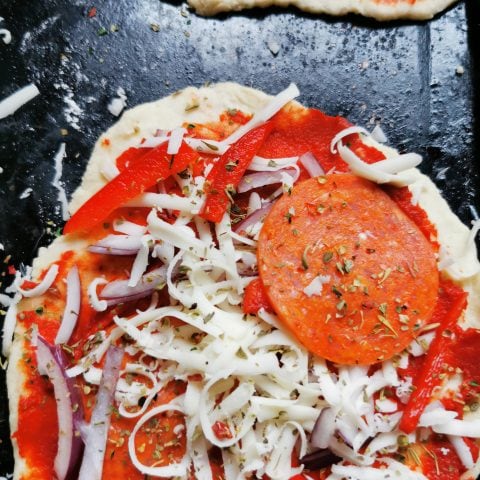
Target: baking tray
406, 76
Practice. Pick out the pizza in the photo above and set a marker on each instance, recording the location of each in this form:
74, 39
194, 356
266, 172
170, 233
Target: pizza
378, 9
247, 288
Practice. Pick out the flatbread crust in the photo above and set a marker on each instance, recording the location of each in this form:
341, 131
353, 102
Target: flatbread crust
170, 112
379, 9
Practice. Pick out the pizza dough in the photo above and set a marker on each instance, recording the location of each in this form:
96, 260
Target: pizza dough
378, 9
170, 112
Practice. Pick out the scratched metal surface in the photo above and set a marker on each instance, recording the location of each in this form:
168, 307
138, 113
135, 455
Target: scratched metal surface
401, 75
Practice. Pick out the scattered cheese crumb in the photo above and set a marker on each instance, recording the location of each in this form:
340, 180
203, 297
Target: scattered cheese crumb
26, 193
364, 65
57, 183
316, 285
5, 34
11, 104
116, 106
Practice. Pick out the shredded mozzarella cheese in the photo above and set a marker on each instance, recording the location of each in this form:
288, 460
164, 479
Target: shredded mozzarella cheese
11, 104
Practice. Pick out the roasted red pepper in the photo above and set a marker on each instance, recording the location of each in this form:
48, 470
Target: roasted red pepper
228, 171
130, 156
428, 376
255, 298
141, 174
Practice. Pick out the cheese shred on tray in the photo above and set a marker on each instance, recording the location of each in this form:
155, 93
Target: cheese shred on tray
247, 289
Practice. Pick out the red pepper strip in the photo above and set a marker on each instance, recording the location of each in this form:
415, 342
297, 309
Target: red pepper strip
255, 298
228, 171
131, 155
128, 184
427, 378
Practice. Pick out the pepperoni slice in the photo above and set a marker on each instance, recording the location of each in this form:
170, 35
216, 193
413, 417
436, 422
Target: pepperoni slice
346, 270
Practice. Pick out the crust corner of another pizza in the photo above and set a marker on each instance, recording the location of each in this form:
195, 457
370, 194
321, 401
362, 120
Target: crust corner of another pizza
380, 10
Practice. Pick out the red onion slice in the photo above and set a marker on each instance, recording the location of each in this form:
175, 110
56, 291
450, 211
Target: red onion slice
51, 362
260, 179
311, 165
72, 307
117, 245
324, 428
254, 218
320, 459
97, 431
118, 291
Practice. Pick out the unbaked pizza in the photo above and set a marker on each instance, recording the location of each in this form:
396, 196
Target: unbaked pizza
378, 9
247, 289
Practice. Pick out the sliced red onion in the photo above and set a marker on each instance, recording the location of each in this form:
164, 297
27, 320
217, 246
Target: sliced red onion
260, 179
324, 428
254, 218
309, 161
72, 307
254, 202
287, 182
51, 362
319, 459
117, 245
97, 431
256, 180
118, 291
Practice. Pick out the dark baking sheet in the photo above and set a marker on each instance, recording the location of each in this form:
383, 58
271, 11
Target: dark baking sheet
402, 75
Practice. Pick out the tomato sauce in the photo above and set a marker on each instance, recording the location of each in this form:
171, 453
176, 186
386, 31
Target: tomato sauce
463, 355
296, 131
440, 461
403, 198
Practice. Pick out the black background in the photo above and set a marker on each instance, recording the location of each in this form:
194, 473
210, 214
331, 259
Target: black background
401, 75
